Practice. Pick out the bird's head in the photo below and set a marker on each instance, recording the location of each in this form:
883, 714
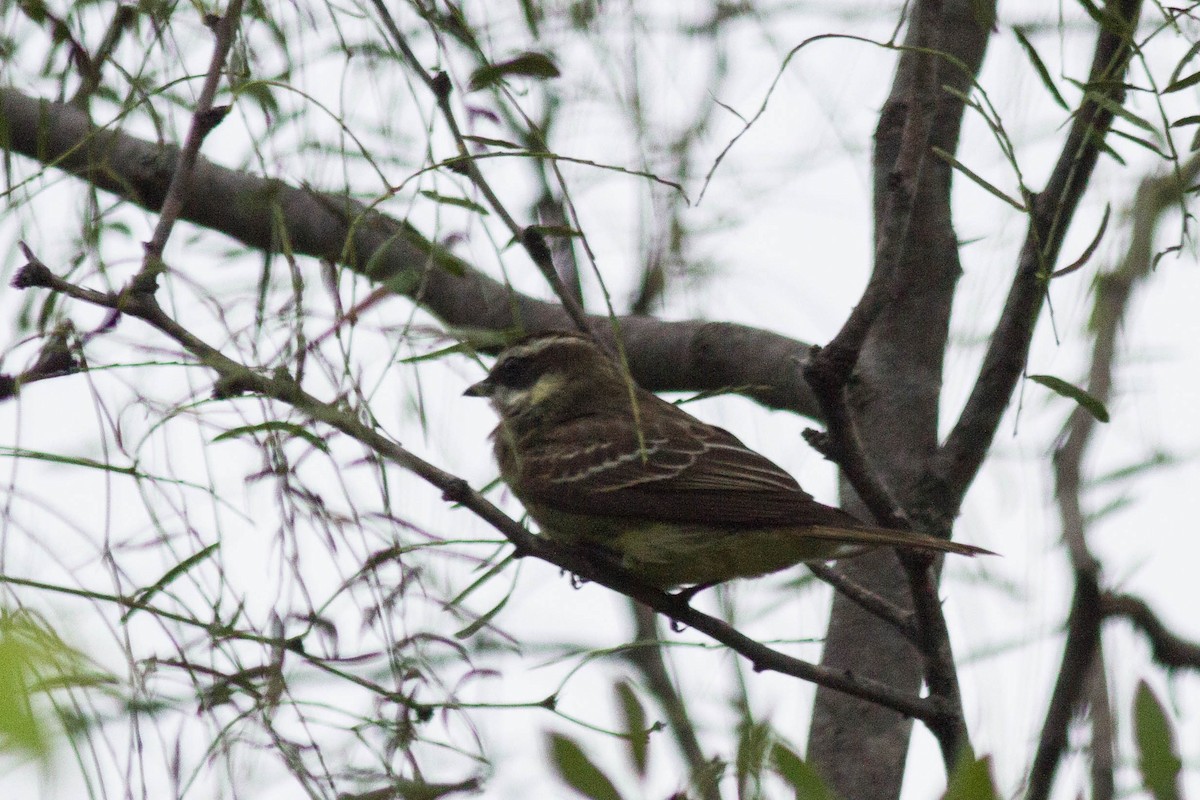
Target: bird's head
550, 377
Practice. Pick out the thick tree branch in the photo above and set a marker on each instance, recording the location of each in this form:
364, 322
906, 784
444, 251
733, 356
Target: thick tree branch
1050, 215
234, 378
663, 356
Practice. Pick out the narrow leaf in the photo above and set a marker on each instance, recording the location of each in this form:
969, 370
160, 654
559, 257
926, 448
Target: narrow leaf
1042, 72
461, 202
298, 431
1194, 119
972, 780
171, 575
434, 355
488, 141
958, 165
1108, 104
1183, 62
1182, 83
578, 771
1091, 248
529, 65
1138, 140
633, 715
477, 625
1107, 20
1158, 753
796, 772
1073, 392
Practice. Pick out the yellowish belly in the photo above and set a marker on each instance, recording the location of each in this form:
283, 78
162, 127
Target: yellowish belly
668, 555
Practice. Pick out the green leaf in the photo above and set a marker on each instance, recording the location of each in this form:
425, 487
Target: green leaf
1089, 250
1194, 119
484, 140
461, 202
298, 431
1042, 72
1158, 756
1182, 83
972, 780
1158, 753
1183, 62
474, 627
529, 65
958, 165
33, 659
577, 770
1136, 469
173, 574
1112, 106
20, 728
796, 772
753, 747
1069, 390
1108, 20
1146, 143
637, 734
435, 355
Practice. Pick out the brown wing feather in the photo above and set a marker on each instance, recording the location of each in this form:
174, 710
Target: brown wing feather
685, 471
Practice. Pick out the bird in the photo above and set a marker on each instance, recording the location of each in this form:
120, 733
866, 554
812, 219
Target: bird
601, 463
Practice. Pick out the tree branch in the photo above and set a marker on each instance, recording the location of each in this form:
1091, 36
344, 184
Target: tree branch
691, 355
234, 378
1083, 660
204, 119
1051, 212
1167, 648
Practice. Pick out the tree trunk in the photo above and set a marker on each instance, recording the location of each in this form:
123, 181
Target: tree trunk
859, 747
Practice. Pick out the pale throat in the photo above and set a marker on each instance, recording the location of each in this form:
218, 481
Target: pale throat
512, 402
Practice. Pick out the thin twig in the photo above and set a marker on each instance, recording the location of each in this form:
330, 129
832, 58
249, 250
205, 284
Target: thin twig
234, 378
829, 370
122, 19
204, 118
646, 656
533, 242
868, 600
1079, 664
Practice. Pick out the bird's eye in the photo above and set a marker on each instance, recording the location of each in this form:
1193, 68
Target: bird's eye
516, 373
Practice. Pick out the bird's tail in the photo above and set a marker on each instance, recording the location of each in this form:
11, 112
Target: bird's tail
856, 538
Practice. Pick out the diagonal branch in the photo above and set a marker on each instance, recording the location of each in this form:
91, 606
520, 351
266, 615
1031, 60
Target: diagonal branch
234, 378
663, 356
532, 240
204, 118
1051, 212
1168, 648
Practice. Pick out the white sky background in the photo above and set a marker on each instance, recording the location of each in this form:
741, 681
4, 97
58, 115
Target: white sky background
790, 248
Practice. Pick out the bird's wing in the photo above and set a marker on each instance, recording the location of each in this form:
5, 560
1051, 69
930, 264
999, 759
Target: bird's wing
678, 470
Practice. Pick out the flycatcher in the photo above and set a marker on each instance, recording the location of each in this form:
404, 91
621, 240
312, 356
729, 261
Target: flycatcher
602, 463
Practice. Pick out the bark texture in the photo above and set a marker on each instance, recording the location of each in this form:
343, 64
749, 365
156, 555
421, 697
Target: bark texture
860, 748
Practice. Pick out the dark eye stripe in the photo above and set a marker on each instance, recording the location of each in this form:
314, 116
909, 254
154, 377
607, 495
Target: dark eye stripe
515, 372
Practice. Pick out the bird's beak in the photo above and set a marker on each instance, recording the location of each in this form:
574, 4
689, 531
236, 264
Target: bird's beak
484, 388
